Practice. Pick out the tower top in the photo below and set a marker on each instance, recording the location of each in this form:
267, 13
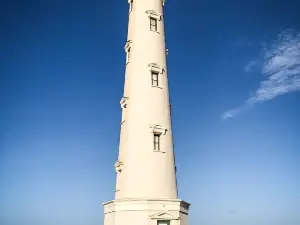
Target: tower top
130, 1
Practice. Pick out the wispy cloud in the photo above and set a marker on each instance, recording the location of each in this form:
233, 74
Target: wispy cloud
280, 69
251, 65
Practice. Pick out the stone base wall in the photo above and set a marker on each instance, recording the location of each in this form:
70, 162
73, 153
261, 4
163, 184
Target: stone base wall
146, 212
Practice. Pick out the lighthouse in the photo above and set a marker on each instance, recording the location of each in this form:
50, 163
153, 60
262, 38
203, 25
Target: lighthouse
146, 187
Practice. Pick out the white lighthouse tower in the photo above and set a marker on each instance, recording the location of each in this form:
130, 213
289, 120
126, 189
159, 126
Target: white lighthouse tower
146, 189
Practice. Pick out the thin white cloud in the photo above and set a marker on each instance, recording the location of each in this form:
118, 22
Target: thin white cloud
251, 65
281, 70
230, 114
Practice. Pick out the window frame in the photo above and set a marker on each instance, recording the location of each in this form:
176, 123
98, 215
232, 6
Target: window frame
130, 5
128, 51
155, 78
156, 141
155, 25
155, 69
154, 20
163, 222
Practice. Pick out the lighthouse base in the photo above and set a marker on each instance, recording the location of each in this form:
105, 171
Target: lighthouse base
146, 212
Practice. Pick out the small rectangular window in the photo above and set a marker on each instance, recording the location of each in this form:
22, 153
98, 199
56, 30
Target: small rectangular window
128, 55
163, 222
156, 142
154, 77
153, 24
130, 6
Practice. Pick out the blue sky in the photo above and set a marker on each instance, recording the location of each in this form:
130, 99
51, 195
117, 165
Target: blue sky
234, 82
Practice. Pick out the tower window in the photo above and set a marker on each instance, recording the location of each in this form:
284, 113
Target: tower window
154, 78
128, 55
130, 5
163, 222
153, 24
127, 49
156, 142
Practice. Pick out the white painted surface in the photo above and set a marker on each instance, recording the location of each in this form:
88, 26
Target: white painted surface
146, 173
146, 189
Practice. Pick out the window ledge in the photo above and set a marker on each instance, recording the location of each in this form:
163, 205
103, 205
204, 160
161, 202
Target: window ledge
159, 151
156, 87
155, 31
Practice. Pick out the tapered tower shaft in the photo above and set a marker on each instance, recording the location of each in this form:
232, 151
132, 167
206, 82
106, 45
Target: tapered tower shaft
146, 145
146, 188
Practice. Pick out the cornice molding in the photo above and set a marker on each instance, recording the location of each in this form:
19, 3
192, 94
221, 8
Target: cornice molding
155, 68
119, 166
158, 129
124, 102
164, 215
127, 45
154, 14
